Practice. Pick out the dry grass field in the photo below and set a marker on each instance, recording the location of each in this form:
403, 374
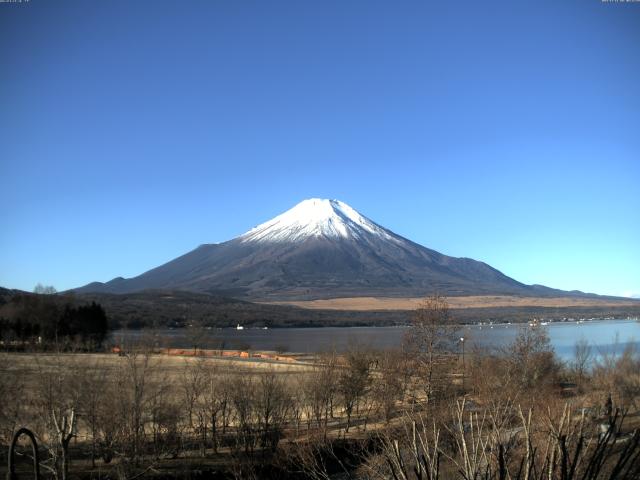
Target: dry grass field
495, 301
171, 366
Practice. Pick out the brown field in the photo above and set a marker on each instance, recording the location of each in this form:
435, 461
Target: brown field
171, 365
496, 301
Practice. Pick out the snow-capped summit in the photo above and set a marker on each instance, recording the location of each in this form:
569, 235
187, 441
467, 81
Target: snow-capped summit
319, 249
315, 217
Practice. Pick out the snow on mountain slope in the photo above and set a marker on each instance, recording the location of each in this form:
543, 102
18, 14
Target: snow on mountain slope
319, 249
316, 217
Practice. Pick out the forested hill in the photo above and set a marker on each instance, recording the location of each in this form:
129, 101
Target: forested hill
63, 321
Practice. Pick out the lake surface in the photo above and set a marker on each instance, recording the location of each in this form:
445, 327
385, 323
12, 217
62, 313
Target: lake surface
605, 336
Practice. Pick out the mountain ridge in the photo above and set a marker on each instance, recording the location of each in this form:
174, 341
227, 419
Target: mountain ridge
322, 249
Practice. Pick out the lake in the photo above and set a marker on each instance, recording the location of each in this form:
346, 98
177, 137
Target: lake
605, 336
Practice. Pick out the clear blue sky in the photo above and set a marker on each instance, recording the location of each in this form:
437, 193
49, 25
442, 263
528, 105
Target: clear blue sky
505, 131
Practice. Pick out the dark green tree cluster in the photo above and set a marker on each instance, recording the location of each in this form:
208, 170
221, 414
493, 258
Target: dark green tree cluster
86, 322
52, 320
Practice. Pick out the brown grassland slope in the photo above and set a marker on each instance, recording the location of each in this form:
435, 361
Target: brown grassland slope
461, 302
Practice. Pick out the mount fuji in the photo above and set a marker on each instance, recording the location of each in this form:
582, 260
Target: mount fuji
321, 249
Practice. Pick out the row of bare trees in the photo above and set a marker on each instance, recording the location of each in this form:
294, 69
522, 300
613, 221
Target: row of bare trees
141, 407
506, 442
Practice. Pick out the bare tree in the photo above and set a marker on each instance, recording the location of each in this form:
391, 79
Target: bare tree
532, 359
132, 391
353, 380
581, 359
243, 403
272, 404
57, 404
192, 385
494, 444
297, 402
432, 334
319, 390
164, 414
617, 374
94, 380
44, 289
212, 404
319, 458
389, 381
196, 335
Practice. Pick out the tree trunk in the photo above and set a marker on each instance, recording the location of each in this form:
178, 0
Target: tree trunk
64, 470
214, 434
